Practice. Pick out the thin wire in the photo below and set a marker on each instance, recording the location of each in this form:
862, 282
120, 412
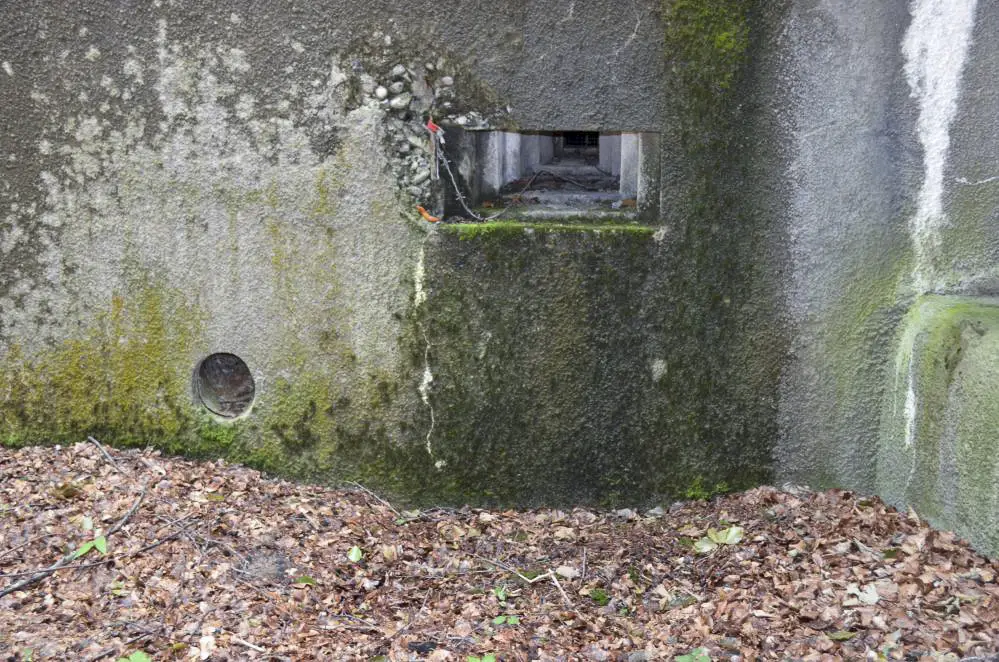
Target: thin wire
457, 189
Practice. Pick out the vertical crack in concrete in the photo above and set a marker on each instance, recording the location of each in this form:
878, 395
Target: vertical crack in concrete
910, 426
631, 38
425, 382
570, 14
935, 48
419, 273
419, 298
910, 405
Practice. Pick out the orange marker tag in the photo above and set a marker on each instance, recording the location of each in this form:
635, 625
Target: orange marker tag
427, 215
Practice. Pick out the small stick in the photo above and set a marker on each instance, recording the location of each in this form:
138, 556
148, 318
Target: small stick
582, 575
377, 498
42, 574
152, 467
548, 575
24, 544
688, 589
253, 647
565, 597
107, 652
503, 566
106, 455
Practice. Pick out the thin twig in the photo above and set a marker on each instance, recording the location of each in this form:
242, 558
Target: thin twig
503, 566
107, 456
582, 574
548, 575
77, 566
42, 574
154, 545
253, 647
565, 596
107, 652
377, 498
152, 467
24, 544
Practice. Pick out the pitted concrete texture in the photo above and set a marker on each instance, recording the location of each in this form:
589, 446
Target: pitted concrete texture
849, 180
181, 180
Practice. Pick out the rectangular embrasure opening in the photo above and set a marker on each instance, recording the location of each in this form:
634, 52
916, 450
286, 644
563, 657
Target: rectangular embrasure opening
537, 175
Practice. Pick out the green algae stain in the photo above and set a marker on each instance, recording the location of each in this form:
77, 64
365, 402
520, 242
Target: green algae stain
322, 204
706, 42
936, 335
126, 377
938, 448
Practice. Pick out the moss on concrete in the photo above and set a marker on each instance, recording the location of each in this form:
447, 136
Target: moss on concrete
720, 270
851, 354
964, 248
938, 447
706, 44
472, 230
549, 371
127, 378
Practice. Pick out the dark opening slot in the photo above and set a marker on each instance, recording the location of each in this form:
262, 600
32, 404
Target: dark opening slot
581, 138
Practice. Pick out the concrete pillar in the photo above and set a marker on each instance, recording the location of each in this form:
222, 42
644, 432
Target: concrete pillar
491, 147
649, 176
530, 152
511, 157
630, 164
546, 148
610, 153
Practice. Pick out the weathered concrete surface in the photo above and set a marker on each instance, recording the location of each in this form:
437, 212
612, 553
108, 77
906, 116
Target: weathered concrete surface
225, 178
174, 197
892, 198
969, 246
851, 155
939, 451
230, 178
552, 366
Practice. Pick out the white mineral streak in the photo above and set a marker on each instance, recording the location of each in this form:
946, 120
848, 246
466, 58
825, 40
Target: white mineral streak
935, 48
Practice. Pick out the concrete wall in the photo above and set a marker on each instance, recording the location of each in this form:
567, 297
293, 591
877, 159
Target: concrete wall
182, 179
893, 228
815, 302
851, 158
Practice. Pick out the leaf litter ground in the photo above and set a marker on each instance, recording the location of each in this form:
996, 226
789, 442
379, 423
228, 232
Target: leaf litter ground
205, 560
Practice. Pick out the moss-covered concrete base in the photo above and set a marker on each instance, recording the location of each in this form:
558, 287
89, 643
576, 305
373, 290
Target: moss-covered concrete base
549, 377
940, 440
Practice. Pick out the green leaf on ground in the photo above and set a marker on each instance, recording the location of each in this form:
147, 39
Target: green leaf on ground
137, 656
599, 596
841, 635
696, 655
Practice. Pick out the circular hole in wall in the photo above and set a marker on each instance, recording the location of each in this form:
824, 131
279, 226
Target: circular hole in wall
224, 384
